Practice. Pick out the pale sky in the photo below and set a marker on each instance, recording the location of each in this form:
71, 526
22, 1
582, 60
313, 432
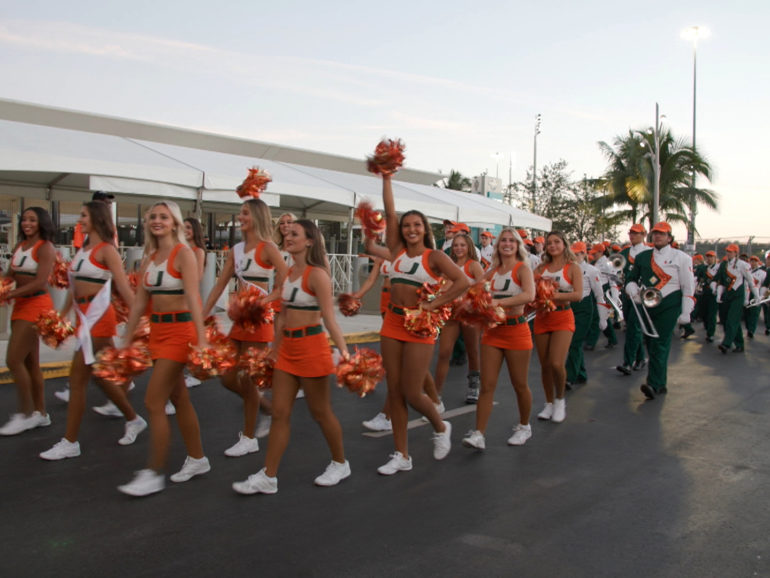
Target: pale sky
457, 81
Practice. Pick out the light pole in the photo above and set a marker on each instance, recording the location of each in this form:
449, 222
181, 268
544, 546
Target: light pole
497, 157
538, 118
693, 33
654, 157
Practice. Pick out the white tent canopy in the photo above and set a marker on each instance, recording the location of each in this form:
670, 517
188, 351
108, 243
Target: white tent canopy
65, 164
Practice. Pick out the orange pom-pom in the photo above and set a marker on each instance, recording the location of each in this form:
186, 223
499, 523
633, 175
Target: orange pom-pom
53, 328
545, 287
6, 286
372, 220
361, 373
348, 304
247, 309
59, 277
254, 184
117, 366
258, 365
216, 359
388, 157
475, 307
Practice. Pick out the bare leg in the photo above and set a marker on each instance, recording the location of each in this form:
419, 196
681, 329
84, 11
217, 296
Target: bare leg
491, 362
285, 388
446, 343
24, 340
317, 392
518, 368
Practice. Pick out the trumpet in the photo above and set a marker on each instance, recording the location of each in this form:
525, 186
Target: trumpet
651, 297
763, 298
618, 264
616, 306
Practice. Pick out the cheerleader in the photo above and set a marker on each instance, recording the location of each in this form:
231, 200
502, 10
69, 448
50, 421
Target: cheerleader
94, 268
193, 234
463, 253
281, 229
169, 281
512, 287
31, 265
252, 261
553, 329
303, 359
406, 357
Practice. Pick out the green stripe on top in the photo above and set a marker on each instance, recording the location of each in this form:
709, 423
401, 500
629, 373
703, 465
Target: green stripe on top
90, 280
257, 279
308, 308
167, 292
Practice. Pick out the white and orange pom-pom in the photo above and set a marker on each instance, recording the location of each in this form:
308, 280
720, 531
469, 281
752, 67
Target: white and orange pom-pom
53, 328
372, 221
361, 373
254, 183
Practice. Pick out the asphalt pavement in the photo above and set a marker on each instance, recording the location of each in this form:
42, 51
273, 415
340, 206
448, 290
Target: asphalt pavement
677, 486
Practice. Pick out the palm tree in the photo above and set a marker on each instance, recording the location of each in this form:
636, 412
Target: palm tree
457, 182
629, 177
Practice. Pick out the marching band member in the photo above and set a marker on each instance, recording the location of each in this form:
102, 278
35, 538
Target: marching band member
406, 357
758, 274
591, 305
94, 268
553, 329
731, 296
633, 348
31, 265
708, 309
255, 261
512, 287
486, 249
600, 261
766, 287
303, 359
169, 283
669, 271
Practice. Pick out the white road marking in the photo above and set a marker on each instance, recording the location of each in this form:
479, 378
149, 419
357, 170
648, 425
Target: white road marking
419, 422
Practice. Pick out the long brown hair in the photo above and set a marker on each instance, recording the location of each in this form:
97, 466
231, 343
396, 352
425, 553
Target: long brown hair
472, 253
569, 256
101, 220
316, 253
262, 222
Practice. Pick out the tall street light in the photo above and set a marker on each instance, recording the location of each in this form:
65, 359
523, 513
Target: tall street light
538, 118
654, 157
693, 33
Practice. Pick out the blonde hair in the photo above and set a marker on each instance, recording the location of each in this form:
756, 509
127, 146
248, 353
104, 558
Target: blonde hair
277, 236
521, 252
150, 242
262, 223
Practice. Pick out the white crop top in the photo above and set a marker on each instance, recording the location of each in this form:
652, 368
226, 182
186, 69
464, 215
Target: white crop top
86, 268
251, 267
162, 278
297, 294
506, 284
24, 262
563, 284
412, 270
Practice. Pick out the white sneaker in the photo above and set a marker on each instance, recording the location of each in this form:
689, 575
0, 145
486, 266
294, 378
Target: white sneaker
521, 433
145, 482
559, 410
335, 472
42, 420
300, 393
133, 429
109, 409
379, 422
19, 423
61, 450
474, 439
191, 467
170, 409
191, 381
243, 446
547, 412
397, 463
63, 394
263, 426
442, 442
258, 483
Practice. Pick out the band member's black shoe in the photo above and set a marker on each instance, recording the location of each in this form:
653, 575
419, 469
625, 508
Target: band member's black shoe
686, 332
648, 391
738, 349
641, 364
624, 369
722, 348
